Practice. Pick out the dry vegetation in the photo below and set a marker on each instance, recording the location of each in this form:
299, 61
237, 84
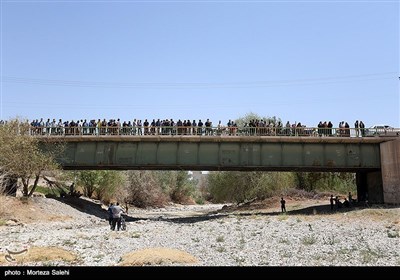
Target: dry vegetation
40, 254
157, 256
25, 211
378, 214
3, 205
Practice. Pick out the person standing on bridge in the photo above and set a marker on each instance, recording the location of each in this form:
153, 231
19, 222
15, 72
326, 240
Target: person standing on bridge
361, 126
357, 127
283, 205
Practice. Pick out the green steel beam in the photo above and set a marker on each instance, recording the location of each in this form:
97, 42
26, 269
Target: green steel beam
214, 153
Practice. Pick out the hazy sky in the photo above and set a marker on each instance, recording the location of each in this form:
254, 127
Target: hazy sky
298, 60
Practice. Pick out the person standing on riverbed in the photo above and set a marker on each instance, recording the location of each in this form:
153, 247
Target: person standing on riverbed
110, 214
116, 211
351, 200
283, 205
332, 201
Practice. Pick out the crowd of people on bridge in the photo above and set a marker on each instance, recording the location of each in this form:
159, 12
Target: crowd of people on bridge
326, 128
259, 127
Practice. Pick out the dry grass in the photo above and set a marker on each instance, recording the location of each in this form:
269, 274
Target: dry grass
28, 210
378, 214
40, 254
4, 206
157, 256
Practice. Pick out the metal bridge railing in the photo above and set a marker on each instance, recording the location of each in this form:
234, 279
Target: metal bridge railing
206, 131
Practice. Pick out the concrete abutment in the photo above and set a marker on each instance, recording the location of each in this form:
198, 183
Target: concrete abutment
390, 165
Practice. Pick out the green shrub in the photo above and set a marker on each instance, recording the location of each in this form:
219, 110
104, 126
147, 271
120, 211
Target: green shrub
338, 182
244, 186
48, 191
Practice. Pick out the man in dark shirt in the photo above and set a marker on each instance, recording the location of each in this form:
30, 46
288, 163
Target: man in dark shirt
283, 203
110, 214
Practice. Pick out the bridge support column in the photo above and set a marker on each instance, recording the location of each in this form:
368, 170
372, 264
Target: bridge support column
390, 164
369, 187
361, 182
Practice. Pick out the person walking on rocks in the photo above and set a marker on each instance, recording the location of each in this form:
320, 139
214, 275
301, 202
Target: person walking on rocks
283, 205
110, 214
116, 211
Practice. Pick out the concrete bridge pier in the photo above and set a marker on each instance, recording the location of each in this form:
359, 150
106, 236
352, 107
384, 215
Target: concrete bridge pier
390, 165
370, 187
382, 186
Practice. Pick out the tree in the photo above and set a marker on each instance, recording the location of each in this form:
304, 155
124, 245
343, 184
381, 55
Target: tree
143, 189
181, 189
341, 182
101, 183
244, 186
22, 156
155, 188
109, 183
88, 180
241, 121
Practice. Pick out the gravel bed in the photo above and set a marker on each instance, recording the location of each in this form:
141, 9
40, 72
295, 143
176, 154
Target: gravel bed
216, 239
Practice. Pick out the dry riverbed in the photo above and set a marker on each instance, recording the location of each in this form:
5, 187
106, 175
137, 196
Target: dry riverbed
76, 233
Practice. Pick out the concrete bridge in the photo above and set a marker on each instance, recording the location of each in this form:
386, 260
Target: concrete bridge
375, 160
